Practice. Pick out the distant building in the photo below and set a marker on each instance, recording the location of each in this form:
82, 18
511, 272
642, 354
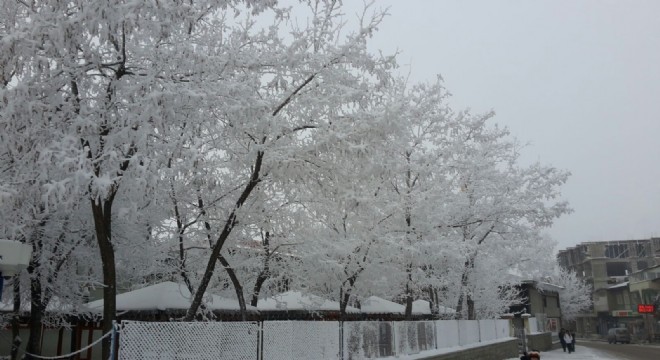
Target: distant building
540, 300
644, 290
607, 266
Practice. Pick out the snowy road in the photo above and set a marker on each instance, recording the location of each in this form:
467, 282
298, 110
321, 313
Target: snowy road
581, 353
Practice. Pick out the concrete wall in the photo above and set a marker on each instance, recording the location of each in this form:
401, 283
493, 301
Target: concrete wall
507, 349
540, 341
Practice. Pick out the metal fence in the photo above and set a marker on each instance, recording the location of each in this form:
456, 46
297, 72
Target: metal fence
299, 339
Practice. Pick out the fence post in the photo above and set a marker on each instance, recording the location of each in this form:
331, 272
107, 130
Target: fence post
497, 336
395, 344
260, 341
479, 328
341, 340
458, 331
113, 340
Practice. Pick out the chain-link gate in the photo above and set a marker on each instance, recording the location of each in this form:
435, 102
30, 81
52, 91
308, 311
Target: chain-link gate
188, 341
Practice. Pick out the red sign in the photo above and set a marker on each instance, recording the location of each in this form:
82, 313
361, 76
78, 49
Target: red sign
646, 308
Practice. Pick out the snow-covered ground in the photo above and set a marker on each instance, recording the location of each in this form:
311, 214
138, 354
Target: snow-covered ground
581, 353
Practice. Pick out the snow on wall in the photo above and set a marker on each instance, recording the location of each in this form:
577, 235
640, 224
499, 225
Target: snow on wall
468, 332
503, 328
487, 330
447, 333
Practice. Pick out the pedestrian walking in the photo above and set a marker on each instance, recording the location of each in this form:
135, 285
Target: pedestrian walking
562, 332
569, 341
573, 342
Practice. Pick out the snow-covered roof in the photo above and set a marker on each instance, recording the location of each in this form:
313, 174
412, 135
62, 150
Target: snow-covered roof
296, 300
620, 285
165, 296
424, 307
549, 287
446, 310
542, 285
421, 307
376, 305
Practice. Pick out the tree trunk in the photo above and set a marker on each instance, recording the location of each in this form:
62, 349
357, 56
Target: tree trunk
470, 307
409, 293
16, 318
37, 307
345, 291
224, 235
102, 211
263, 276
344, 297
433, 299
462, 295
265, 271
409, 303
37, 311
237, 286
180, 231
36, 329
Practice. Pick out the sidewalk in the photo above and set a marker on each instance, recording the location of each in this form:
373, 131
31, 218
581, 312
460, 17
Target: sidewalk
581, 353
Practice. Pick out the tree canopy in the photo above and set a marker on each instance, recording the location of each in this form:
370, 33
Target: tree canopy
243, 146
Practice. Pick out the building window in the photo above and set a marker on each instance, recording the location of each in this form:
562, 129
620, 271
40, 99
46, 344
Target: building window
617, 269
641, 265
557, 298
616, 251
545, 301
641, 250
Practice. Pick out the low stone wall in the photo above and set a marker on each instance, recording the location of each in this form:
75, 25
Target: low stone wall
506, 349
539, 341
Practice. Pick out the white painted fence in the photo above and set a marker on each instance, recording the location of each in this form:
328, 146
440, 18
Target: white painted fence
299, 339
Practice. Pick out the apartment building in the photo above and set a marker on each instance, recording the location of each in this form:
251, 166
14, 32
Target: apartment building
644, 287
607, 266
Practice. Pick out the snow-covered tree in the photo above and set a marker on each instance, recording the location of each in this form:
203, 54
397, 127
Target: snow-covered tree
186, 136
416, 181
107, 79
494, 198
575, 297
298, 95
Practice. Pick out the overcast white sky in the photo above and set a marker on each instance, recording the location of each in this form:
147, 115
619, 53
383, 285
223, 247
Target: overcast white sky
579, 80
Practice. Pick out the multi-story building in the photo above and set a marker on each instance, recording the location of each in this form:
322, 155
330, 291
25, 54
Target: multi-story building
644, 290
607, 266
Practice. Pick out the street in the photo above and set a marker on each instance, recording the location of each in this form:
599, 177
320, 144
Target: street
622, 351
598, 350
